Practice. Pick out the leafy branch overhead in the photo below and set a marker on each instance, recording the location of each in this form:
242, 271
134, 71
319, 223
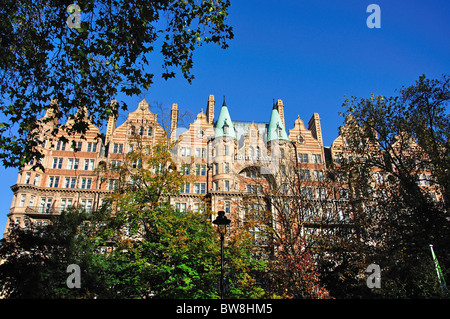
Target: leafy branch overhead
42, 59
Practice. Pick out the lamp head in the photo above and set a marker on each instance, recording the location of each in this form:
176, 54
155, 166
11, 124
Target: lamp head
222, 221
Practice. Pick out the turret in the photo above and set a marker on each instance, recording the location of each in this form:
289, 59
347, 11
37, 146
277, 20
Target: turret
276, 129
224, 127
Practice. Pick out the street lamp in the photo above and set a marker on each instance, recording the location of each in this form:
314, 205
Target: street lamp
222, 222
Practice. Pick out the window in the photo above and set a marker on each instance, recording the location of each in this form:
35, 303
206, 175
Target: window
138, 164
316, 159
36, 180
258, 152
181, 207
112, 184
185, 151
141, 131
321, 193
250, 152
282, 153
226, 168
216, 169
200, 152
199, 188
27, 178
200, 170
187, 169
57, 163
225, 150
343, 193
78, 146
199, 207
225, 128
88, 165
70, 182
72, 163
115, 163
305, 175
303, 158
117, 148
227, 186
60, 146
226, 207
45, 205
130, 148
132, 130
86, 204
65, 204
318, 175
86, 183
279, 131
185, 188
149, 131
197, 170
22, 200
53, 181
31, 202
92, 147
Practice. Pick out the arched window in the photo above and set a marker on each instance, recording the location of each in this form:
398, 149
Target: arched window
150, 131
141, 131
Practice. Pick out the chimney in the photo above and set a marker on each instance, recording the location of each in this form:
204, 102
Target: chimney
210, 109
280, 108
173, 121
52, 113
112, 120
314, 127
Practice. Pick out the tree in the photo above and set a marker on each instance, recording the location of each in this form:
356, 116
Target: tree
43, 59
160, 251
35, 259
136, 246
289, 227
395, 159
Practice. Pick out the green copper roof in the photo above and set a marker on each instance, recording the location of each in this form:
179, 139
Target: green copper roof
224, 126
276, 130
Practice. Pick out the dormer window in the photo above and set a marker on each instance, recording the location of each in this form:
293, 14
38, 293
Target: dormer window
279, 130
225, 128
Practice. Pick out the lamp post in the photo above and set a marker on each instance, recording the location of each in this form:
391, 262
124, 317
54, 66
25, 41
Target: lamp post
222, 222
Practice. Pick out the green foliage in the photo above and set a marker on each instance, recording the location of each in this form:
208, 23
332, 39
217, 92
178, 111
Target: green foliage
136, 246
36, 259
42, 59
390, 143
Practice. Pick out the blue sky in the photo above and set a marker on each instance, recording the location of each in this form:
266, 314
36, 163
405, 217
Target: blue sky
310, 54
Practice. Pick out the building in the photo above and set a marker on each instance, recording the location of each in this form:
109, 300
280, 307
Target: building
224, 158
228, 163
